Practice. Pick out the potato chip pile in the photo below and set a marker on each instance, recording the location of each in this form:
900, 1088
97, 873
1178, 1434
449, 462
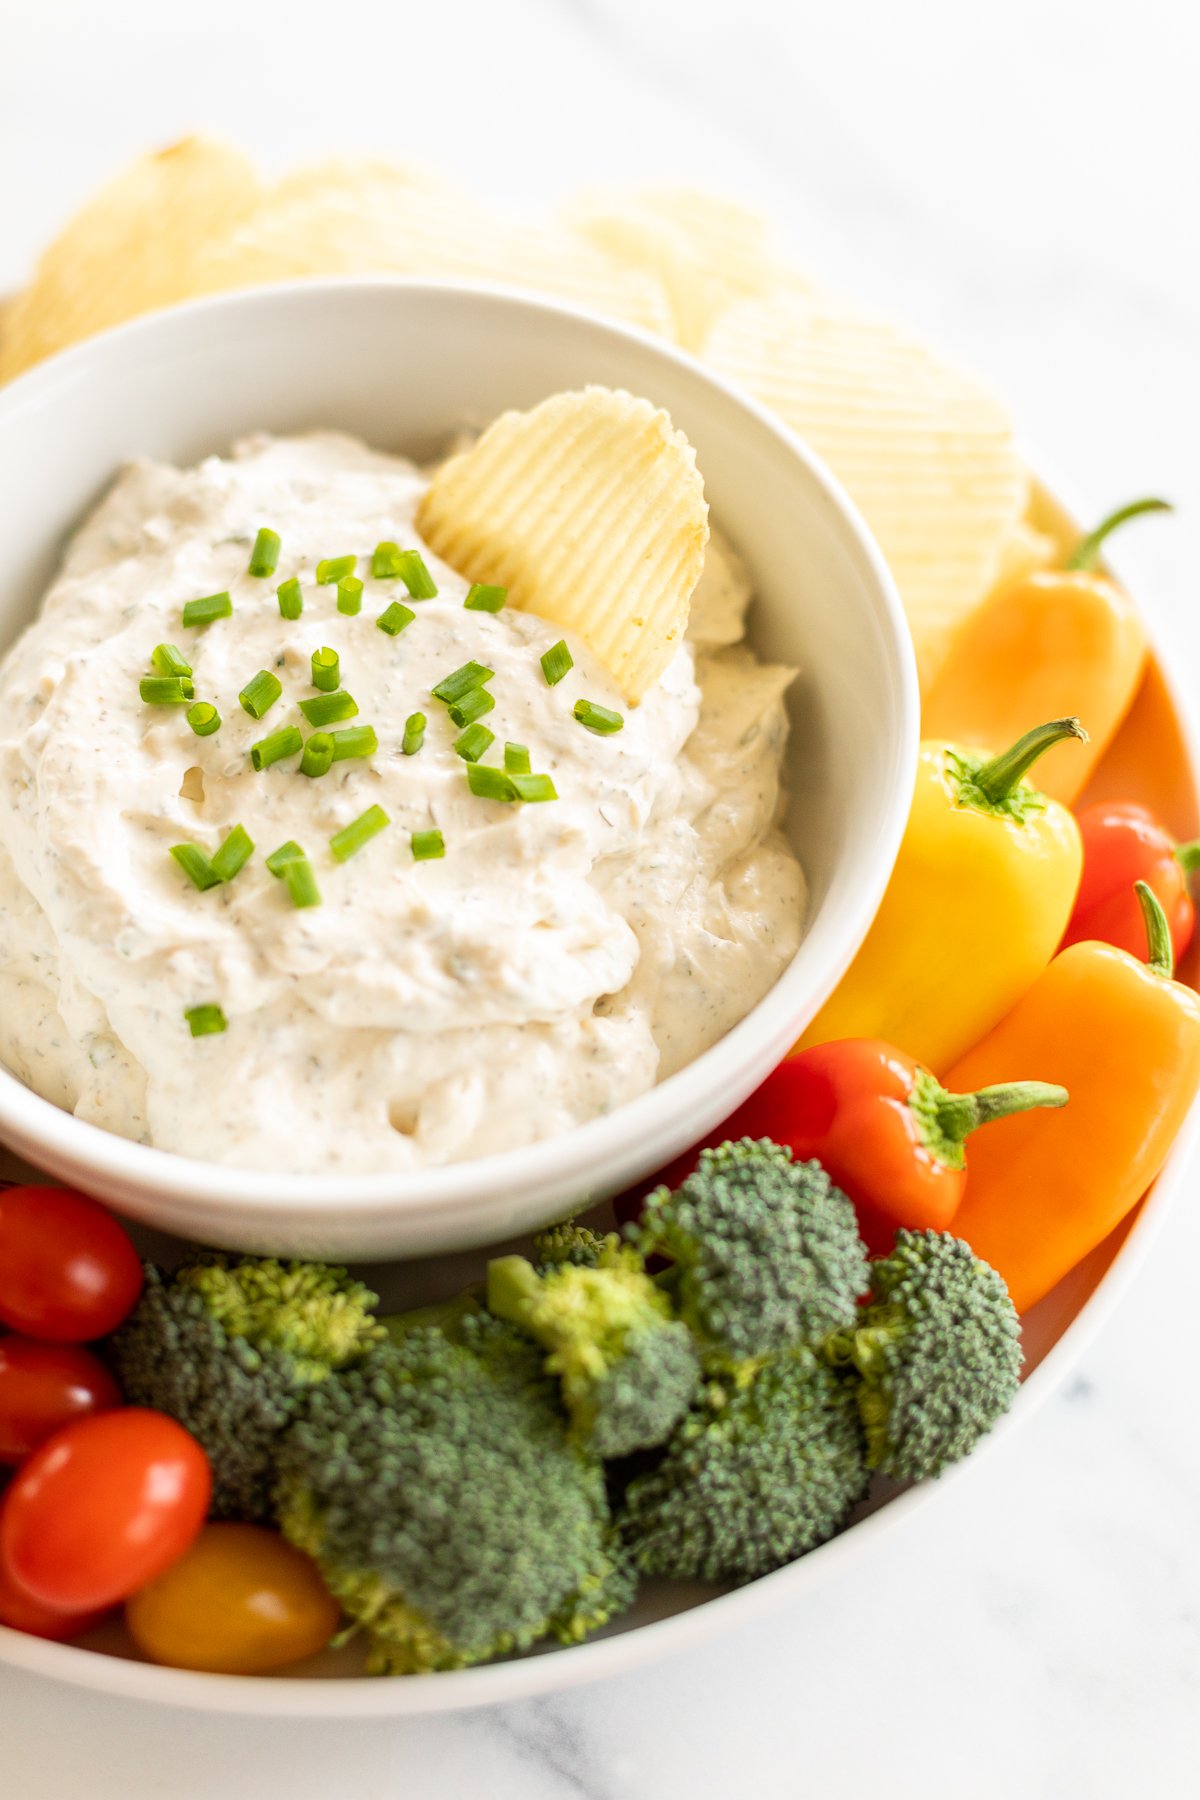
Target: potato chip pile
923, 448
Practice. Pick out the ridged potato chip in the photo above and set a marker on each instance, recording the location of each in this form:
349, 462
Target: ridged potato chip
130, 249
359, 172
590, 510
372, 217
708, 252
925, 450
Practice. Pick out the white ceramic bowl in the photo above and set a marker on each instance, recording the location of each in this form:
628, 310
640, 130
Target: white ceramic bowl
404, 364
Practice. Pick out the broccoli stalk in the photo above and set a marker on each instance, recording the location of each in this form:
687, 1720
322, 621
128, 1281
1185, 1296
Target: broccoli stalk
765, 1251
762, 1470
628, 1368
937, 1349
231, 1348
438, 1491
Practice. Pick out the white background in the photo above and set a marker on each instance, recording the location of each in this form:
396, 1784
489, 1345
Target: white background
1018, 180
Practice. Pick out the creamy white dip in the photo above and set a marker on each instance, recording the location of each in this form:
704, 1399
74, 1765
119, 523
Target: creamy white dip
560, 958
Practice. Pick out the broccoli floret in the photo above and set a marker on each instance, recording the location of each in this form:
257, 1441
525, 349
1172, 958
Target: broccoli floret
231, 1348
760, 1471
938, 1351
628, 1367
437, 1489
447, 1315
571, 1243
766, 1251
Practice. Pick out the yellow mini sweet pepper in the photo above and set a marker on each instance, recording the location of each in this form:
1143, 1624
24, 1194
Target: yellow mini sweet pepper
1056, 641
979, 898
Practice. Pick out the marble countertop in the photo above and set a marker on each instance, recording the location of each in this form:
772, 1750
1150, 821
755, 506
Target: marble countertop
1011, 179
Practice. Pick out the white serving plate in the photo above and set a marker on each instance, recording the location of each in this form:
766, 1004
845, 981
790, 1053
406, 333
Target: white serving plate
670, 1617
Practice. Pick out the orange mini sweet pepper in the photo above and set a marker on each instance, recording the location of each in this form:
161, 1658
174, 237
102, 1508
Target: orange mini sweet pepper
1124, 1038
1065, 640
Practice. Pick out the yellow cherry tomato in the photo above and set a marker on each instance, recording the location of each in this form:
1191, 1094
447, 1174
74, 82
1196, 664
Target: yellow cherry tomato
241, 1601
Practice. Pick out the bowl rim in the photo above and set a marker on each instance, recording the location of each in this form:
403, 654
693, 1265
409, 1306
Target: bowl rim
77, 1149
367, 1697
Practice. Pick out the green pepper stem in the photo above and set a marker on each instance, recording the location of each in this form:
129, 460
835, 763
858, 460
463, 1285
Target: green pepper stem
1158, 933
960, 1114
1188, 856
1087, 550
997, 779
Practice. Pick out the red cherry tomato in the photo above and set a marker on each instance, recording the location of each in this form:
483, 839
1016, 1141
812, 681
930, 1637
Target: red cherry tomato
46, 1386
68, 1272
103, 1507
21, 1613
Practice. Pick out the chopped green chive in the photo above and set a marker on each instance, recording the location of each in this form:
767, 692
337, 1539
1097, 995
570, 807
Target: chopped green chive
534, 787
290, 865
350, 595
516, 759
386, 560
410, 567
473, 743
259, 695
489, 783
332, 568
453, 687
414, 733
233, 854
427, 845
356, 740
395, 617
166, 690
264, 558
291, 600
203, 718
350, 840
205, 1021
326, 669
301, 882
556, 661
287, 853
318, 755
598, 718
481, 598
275, 748
195, 865
204, 611
327, 709
472, 706
168, 661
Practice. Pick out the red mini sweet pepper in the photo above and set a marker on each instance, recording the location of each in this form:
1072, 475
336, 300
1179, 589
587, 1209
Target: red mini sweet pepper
1124, 844
891, 1136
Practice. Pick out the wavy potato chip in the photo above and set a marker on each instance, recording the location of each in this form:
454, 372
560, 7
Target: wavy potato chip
708, 252
358, 172
373, 217
924, 449
130, 249
590, 510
